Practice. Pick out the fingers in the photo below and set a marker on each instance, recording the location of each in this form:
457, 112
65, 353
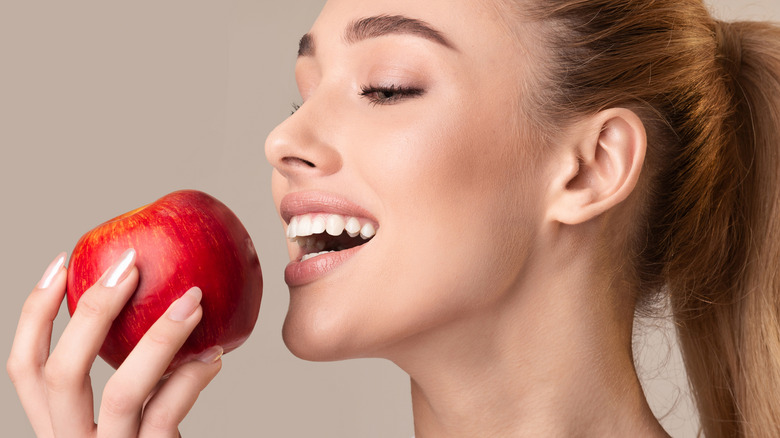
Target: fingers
56, 390
31, 345
167, 409
68, 387
129, 388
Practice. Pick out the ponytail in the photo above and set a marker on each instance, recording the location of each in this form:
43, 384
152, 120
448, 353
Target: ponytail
731, 344
708, 233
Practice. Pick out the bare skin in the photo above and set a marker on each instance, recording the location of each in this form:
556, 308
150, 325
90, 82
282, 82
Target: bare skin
512, 328
55, 390
490, 278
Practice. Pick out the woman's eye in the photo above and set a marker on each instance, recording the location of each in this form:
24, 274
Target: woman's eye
385, 95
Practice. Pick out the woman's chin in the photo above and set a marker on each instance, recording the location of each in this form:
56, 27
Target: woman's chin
318, 342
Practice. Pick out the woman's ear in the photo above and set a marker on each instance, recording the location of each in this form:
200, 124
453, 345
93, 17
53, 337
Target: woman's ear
599, 166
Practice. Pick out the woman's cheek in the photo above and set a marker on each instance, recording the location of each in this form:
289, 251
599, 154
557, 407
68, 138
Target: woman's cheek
414, 152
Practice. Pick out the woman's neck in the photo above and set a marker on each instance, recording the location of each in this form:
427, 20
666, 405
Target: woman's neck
553, 362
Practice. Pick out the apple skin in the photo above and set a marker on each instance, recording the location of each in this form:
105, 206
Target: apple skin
184, 239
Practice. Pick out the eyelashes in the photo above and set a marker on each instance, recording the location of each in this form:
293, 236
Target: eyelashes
387, 95
381, 95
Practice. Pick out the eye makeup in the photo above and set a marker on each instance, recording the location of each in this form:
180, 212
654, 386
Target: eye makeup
389, 94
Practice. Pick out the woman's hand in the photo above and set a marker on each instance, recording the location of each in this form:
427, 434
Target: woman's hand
55, 389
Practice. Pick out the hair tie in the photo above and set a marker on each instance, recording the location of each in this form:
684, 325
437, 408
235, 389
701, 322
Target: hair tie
729, 48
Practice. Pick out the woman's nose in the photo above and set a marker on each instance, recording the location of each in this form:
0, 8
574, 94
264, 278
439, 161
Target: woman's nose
298, 147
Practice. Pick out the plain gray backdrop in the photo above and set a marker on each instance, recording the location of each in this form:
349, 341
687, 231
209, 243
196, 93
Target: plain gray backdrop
108, 105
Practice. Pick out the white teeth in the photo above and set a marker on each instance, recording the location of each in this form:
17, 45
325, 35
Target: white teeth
335, 225
367, 231
318, 225
304, 226
301, 227
292, 229
352, 227
311, 256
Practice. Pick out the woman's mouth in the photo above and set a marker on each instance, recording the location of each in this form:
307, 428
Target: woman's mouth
322, 233
328, 229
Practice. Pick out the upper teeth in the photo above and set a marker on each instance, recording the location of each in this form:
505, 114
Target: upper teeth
333, 224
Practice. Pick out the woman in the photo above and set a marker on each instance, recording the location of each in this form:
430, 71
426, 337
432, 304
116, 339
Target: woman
520, 178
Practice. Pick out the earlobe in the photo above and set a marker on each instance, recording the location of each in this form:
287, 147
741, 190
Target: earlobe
600, 166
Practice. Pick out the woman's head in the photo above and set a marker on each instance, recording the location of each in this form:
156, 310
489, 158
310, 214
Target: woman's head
427, 115
497, 141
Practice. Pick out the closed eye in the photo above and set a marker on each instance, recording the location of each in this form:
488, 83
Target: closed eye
386, 95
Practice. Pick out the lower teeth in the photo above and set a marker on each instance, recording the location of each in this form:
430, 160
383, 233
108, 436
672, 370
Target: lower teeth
312, 255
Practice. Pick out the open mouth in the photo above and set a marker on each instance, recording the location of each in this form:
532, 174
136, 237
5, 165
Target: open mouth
320, 234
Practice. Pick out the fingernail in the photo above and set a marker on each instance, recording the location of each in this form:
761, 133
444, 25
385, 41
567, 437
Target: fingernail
51, 271
119, 271
211, 355
185, 305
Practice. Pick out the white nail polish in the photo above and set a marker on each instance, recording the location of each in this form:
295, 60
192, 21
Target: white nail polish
51, 272
120, 270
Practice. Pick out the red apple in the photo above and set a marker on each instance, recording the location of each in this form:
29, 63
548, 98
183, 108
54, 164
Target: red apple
184, 239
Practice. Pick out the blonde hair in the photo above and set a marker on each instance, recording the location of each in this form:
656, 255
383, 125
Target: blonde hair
709, 238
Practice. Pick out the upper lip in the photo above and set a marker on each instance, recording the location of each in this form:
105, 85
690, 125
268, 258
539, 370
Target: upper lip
296, 204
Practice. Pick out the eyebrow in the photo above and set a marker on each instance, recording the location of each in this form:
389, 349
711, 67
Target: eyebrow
373, 27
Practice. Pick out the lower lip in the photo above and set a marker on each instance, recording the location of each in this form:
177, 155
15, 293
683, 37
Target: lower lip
298, 273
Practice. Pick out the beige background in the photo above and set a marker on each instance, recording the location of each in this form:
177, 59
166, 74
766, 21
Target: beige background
108, 105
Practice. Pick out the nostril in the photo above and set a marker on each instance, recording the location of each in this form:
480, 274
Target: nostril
295, 161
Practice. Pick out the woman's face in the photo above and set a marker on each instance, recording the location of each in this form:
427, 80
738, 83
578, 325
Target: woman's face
409, 126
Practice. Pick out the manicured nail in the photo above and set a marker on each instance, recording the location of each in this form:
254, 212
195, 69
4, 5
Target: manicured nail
185, 305
52, 271
211, 355
119, 271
